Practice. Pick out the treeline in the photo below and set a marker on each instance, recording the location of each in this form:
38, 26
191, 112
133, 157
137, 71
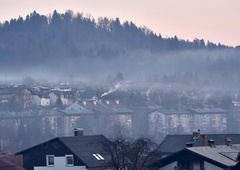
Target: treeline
39, 38
77, 45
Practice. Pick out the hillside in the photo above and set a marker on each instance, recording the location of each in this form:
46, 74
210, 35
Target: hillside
78, 46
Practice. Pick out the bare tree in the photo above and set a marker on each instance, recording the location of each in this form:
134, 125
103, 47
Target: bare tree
134, 154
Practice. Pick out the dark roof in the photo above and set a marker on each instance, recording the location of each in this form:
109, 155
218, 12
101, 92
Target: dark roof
7, 165
83, 147
174, 143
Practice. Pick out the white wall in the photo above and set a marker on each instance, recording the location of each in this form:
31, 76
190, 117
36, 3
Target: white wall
45, 102
207, 165
169, 166
60, 164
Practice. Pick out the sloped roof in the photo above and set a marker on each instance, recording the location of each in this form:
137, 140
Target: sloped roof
116, 106
208, 111
220, 153
174, 143
85, 146
7, 165
75, 109
216, 155
95, 107
236, 167
169, 112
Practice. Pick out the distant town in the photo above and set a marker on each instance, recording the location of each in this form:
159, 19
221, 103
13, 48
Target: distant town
35, 113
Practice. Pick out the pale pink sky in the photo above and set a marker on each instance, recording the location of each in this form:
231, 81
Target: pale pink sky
213, 20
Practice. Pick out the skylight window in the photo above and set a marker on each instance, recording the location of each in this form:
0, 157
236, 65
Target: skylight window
98, 156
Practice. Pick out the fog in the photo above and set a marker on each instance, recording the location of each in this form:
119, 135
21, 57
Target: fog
108, 60
218, 69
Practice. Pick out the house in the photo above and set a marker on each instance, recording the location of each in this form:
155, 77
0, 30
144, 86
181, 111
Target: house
66, 97
40, 99
6, 165
120, 113
45, 101
76, 115
174, 143
209, 119
10, 162
183, 121
110, 114
62, 153
221, 157
168, 121
18, 95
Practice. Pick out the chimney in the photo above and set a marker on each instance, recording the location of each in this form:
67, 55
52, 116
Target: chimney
196, 134
84, 102
228, 142
107, 101
94, 102
78, 132
189, 144
204, 140
211, 143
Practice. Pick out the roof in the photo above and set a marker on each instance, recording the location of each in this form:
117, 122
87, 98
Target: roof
75, 109
7, 165
236, 167
174, 143
116, 106
208, 111
83, 147
95, 107
169, 112
220, 155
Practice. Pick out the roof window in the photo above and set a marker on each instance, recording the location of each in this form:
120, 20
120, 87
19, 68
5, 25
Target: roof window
98, 156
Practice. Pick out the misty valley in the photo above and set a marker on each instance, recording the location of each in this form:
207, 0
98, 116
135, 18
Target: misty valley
106, 77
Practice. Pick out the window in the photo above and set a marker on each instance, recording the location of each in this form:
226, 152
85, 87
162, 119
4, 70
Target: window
98, 156
69, 160
50, 160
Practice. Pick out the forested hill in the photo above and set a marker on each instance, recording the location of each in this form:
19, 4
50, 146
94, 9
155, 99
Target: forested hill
72, 40
73, 35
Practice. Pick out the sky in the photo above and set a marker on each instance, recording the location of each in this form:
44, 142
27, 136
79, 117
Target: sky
217, 21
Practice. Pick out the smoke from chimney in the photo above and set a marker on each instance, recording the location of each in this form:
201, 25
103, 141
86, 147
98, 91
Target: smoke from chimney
116, 87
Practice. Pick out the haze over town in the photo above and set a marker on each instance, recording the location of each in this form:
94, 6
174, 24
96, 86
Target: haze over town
127, 72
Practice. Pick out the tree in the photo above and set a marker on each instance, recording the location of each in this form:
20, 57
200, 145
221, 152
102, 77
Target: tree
28, 81
119, 76
135, 154
59, 103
